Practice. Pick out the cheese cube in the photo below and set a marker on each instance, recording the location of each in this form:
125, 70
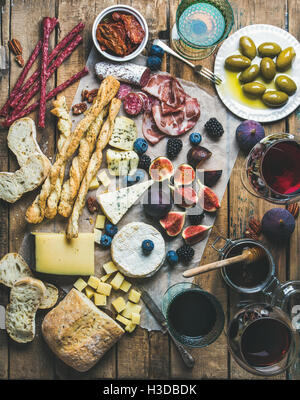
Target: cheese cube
105, 277
130, 327
134, 296
94, 184
97, 235
125, 286
93, 282
121, 163
100, 222
99, 299
135, 318
89, 292
80, 284
103, 178
117, 281
119, 304
104, 288
110, 267
131, 308
123, 320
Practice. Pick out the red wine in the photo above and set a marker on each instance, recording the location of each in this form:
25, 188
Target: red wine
191, 313
265, 342
281, 167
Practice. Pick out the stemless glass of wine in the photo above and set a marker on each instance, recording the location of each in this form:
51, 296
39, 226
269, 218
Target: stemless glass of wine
272, 169
200, 26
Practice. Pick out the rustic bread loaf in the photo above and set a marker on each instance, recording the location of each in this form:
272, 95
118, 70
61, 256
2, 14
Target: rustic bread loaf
13, 267
25, 298
78, 332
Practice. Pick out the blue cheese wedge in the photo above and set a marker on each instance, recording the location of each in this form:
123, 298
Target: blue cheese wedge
127, 253
115, 204
120, 163
124, 134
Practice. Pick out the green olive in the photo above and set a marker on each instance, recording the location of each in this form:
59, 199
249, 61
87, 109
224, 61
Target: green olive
267, 68
286, 84
247, 47
249, 74
285, 58
237, 62
254, 88
269, 49
274, 98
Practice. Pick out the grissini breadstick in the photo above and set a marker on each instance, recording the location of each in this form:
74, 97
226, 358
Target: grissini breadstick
107, 91
79, 166
93, 167
35, 213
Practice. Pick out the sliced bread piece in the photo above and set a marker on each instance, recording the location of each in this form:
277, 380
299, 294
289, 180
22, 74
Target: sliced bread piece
25, 298
13, 267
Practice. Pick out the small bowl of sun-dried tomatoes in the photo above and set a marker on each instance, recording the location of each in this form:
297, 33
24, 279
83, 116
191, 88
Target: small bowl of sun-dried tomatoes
120, 33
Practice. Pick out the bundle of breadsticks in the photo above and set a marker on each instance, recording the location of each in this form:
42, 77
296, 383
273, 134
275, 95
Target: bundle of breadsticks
90, 137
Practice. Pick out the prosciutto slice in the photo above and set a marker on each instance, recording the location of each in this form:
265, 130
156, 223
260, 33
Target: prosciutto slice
150, 130
177, 123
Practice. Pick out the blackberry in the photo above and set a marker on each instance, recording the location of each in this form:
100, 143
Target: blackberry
185, 253
174, 147
196, 215
144, 162
214, 128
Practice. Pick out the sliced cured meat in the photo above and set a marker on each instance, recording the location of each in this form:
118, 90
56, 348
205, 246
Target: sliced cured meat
147, 101
177, 123
133, 28
133, 104
150, 130
123, 91
167, 89
165, 109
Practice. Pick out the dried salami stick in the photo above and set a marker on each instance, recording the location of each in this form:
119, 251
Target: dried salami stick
49, 96
61, 45
59, 60
5, 109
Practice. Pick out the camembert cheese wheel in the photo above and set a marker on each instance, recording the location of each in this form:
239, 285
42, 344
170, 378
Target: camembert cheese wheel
127, 253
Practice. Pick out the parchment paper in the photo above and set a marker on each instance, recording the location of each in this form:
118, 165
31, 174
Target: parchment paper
224, 152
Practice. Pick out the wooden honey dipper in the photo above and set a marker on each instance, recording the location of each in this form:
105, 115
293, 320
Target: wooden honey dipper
248, 256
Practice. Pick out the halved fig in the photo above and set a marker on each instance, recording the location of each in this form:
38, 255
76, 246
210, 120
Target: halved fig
160, 169
211, 177
173, 222
197, 155
184, 175
184, 196
195, 233
208, 199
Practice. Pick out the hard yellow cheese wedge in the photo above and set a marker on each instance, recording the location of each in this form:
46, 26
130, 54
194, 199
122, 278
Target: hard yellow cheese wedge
94, 184
119, 304
54, 254
134, 296
110, 267
131, 308
93, 282
99, 299
125, 286
117, 281
104, 288
80, 284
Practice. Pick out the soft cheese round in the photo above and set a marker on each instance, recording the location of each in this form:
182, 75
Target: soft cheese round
127, 253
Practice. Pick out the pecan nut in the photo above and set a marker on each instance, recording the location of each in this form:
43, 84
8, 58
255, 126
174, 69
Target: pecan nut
249, 233
79, 108
20, 60
92, 204
15, 47
89, 95
293, 209
255, 225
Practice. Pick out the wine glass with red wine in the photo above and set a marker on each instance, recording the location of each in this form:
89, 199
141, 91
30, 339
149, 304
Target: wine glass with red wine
272, 169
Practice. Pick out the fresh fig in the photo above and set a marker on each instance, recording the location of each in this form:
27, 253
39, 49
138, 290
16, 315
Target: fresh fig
157, 202
211, 177
278, 224
184, 196
173, 222
184, 175
208, 199
197, 155
248, 134
195, 233
160, 169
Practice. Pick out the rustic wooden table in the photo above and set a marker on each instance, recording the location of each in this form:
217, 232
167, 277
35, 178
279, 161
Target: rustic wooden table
142, 355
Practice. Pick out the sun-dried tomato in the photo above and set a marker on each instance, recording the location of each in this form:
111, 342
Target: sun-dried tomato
112, 36
133, 28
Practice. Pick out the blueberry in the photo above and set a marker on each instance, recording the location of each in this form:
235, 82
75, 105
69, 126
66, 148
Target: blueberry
140, 146
154, 63
172, 257
147, 246
111, 229
157, 51
195, 138
105, 241
133, 179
